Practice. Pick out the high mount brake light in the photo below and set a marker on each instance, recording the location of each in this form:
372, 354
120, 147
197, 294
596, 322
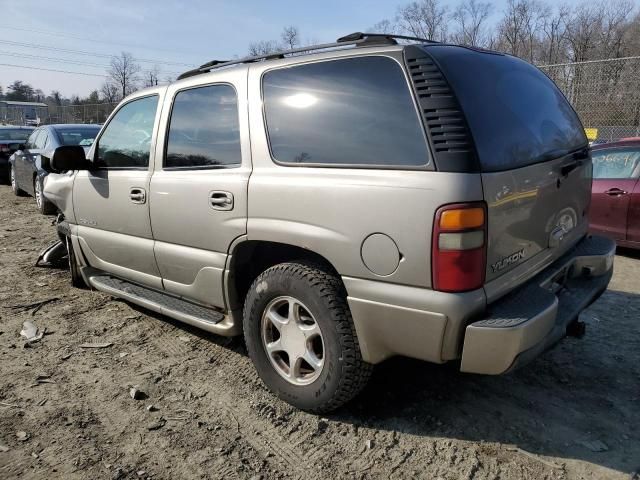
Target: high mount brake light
459, 247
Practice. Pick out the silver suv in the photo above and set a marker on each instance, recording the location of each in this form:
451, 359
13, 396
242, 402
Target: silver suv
343, 205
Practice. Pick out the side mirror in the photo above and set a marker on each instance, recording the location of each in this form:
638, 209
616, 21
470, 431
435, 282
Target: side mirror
65, 158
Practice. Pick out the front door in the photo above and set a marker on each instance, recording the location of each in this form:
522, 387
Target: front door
614, 177
111, 201
198, 195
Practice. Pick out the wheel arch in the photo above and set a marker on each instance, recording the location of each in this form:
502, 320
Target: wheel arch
249, 258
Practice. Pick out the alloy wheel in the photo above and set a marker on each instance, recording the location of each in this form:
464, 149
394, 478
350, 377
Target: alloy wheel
292, 340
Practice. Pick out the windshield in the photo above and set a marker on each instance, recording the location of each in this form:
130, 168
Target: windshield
516, 114
14, 134
78, 136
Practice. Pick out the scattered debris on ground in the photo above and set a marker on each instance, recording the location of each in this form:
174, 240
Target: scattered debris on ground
209, 416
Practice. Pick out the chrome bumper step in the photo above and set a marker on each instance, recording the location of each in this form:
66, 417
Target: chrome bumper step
199, 316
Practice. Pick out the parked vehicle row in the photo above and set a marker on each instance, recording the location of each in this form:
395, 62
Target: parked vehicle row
615, 204
342, 204
26, 170
11, 140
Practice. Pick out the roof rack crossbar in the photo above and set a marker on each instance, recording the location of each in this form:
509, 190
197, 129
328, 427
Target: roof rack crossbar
357, 38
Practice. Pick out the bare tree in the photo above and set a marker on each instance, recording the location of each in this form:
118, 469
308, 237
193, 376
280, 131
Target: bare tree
553, 44
290, 37
263, 47
385, 26
616, 28
470, 18
151, 76
583, 31
109, 92
124, 73
521, 26
424, 18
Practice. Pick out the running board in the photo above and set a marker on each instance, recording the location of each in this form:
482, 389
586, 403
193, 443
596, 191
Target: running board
169, 305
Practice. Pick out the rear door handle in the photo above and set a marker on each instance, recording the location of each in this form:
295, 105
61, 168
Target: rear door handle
219, 200
615, 192
137, 195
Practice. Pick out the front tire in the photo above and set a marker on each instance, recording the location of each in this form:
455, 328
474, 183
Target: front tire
76, 277
17, 191
44, 205
301, 338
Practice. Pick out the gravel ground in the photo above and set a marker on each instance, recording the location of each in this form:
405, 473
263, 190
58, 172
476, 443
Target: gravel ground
66, 411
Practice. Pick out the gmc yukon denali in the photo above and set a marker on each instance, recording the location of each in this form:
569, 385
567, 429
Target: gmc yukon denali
342, 204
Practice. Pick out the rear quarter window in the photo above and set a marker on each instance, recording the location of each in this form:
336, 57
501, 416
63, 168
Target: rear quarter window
350, 112
516, 114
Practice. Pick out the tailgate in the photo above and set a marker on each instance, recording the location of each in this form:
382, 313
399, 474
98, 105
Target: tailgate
536, 213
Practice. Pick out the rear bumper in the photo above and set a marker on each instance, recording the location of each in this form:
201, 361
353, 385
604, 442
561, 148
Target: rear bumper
534, 317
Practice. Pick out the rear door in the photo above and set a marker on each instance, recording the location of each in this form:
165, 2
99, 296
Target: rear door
532, 157
198, 193
615, 174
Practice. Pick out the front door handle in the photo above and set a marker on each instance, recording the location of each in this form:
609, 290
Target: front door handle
615, 192
219, 200
137, 195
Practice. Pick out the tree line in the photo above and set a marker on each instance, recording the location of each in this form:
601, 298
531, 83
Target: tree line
123, 77
538, 31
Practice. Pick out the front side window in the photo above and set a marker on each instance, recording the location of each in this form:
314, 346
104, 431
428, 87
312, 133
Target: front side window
204, 130
31, 142
616, 164
126, 140
355, 111
41, 139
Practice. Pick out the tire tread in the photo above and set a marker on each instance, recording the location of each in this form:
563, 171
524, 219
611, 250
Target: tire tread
355, 371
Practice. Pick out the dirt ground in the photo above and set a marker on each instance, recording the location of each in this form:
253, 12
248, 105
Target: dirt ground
66, 411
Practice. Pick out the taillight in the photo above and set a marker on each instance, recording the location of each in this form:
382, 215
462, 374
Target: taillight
459, 247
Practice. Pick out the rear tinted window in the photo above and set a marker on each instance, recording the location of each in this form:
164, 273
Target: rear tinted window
80, 136
516, 114
355, 111
9, 134
204, 130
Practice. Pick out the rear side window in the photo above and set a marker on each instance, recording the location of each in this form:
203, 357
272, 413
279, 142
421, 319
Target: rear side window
77, 136
356, 111
516, 114
616, 164
204, 129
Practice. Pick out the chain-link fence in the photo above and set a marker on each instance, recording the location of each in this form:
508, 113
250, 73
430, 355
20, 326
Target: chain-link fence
605, 93
29, 115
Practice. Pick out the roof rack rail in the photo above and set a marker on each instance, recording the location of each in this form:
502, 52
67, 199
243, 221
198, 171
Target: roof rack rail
356, 39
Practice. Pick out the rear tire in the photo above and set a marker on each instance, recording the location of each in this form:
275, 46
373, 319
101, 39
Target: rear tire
17, 191
336, 371
76, 278
44, 205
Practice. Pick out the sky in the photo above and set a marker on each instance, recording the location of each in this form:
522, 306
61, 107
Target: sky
175, 35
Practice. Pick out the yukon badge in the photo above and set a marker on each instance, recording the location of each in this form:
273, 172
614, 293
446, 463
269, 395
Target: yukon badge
515, 257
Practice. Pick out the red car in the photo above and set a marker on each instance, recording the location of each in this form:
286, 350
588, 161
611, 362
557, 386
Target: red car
615, 197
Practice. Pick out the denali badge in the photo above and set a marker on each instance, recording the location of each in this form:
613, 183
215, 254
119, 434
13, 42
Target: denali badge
506, 261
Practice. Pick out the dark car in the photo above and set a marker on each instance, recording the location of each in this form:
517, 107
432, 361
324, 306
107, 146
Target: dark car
11, 139
615, 197
26, 172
